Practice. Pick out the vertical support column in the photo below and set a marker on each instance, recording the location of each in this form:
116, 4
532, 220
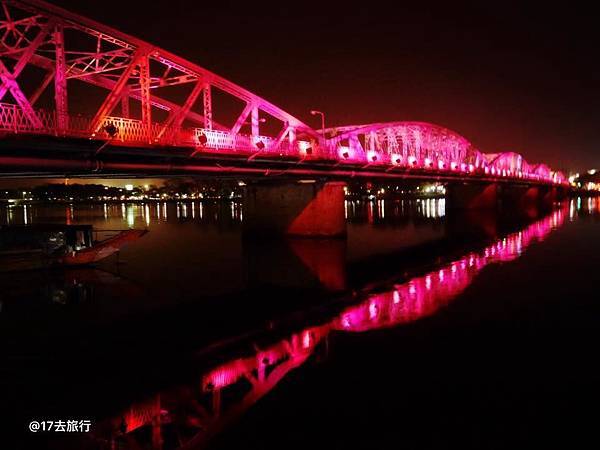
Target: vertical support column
157, 438
522, 197
145, 94
208, 123
216, 402
125, 106
292, 141
254, 122
549, 196
303, 209
60, 81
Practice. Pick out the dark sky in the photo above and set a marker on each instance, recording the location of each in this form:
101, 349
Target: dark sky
507, 77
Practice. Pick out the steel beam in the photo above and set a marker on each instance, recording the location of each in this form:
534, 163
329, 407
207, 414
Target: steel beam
27, 54
144, 69
60, 81
12, 86
114, 96
208, 121
177, 117
241, 119
42, 87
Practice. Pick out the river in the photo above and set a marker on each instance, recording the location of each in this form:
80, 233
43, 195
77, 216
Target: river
425, 328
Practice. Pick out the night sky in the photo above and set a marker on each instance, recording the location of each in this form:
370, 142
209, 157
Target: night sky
507, 77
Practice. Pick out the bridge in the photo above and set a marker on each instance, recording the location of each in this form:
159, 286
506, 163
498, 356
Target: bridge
79, 98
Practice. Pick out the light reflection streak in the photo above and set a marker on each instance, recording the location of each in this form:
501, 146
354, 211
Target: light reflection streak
130, 216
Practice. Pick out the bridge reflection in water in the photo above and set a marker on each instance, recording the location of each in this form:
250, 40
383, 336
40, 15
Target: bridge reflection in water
189, 416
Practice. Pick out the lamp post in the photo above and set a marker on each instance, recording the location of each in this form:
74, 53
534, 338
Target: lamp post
314, 113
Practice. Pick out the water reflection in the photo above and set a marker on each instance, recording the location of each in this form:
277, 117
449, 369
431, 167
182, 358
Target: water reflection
189, 415
131, 214
584, 207
387, 211
299, 264
24, 292
136, 214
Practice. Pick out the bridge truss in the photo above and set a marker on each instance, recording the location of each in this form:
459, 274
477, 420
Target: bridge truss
93, 82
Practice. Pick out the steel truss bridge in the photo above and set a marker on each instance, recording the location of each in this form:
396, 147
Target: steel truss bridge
151, 106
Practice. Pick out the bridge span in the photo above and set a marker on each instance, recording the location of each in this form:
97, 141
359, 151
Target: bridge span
79, 98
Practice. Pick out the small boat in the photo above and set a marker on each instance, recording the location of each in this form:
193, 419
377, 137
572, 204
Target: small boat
26, 247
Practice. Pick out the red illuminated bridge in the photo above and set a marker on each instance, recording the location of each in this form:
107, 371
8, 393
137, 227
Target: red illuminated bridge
79, 98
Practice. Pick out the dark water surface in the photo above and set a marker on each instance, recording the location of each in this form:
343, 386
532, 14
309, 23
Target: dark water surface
424, 330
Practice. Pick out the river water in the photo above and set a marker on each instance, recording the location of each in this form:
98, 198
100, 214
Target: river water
424, 329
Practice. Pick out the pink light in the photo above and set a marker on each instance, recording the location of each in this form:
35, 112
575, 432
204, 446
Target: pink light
428, 162
345, 152
225, 375
372, 310
396, 159
346, 323
441, 165
412, 161
372, 156
454, 165
303, 146
306, 339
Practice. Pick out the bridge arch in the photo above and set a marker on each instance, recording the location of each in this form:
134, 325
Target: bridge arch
407, 144
507, 163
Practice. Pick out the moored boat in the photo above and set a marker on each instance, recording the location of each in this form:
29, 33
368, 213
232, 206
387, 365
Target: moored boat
26, 247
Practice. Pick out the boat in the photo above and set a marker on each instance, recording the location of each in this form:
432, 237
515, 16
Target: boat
27, 247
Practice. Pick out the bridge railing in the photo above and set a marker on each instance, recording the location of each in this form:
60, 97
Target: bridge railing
134, 132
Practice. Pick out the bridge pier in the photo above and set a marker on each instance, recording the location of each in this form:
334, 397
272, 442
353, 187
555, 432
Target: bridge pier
527, 196
302, 264
552, 194
472, 195
312, 209
521, 196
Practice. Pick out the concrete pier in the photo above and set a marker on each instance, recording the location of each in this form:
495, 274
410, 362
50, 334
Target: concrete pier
472, 195
302, 209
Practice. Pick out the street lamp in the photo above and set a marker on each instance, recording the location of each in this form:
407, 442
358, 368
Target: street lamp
260, 120
314, 113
